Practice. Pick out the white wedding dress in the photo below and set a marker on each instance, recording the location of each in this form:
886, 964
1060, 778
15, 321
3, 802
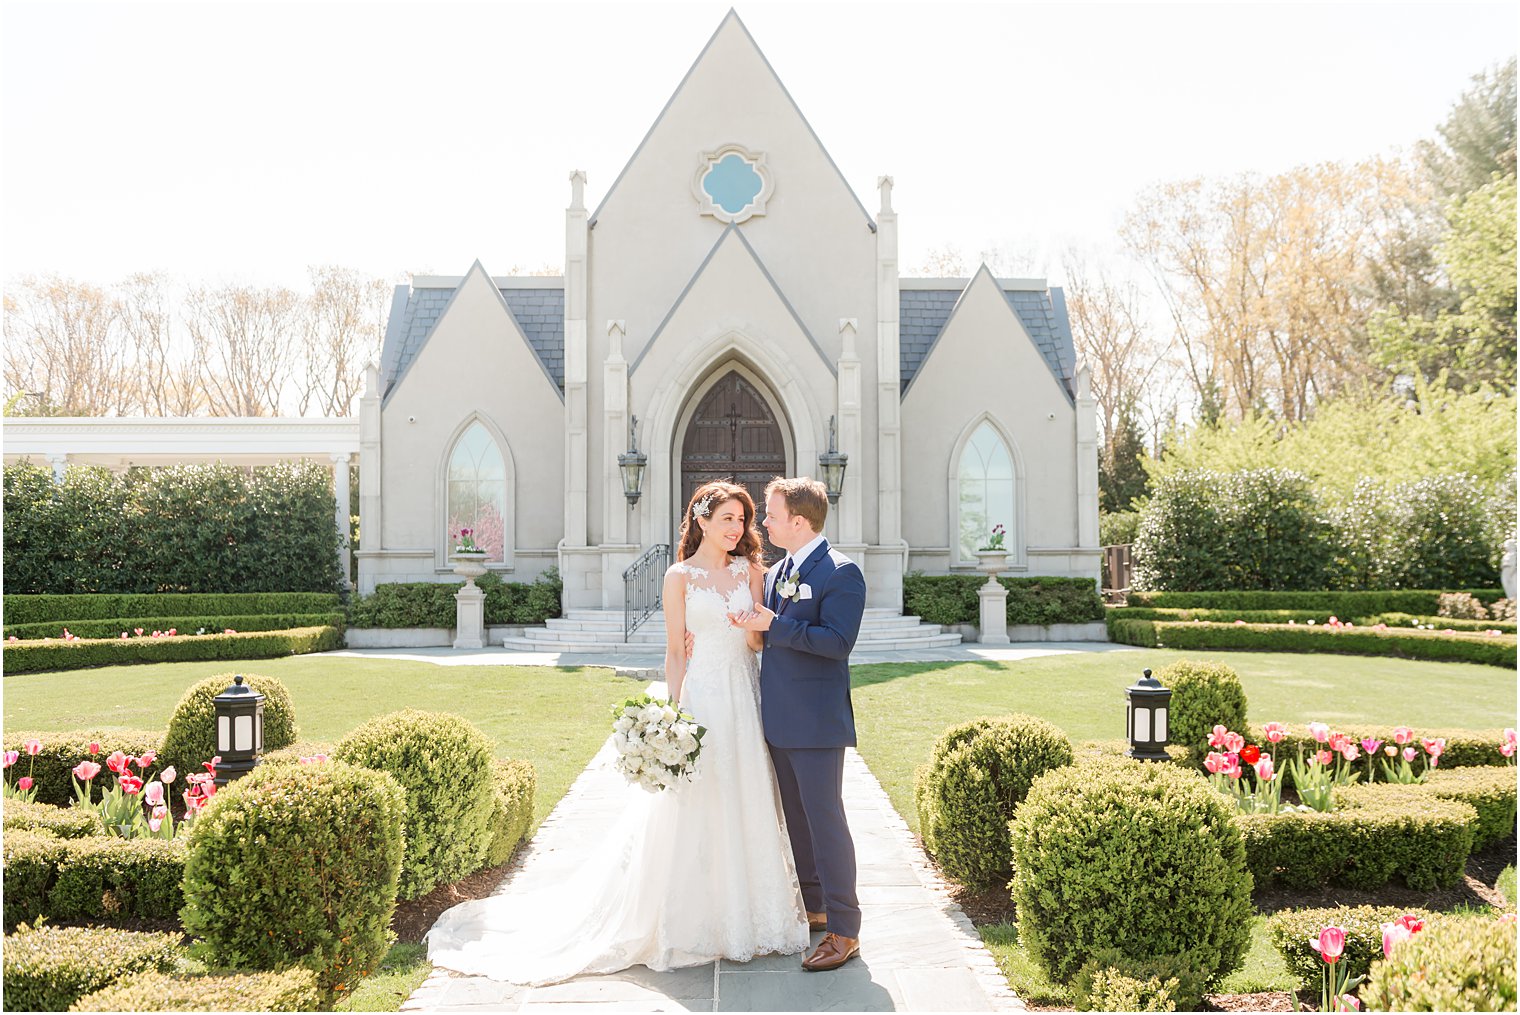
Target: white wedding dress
695, 873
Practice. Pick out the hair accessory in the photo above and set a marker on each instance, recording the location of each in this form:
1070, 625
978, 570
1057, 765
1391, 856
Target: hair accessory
702, 507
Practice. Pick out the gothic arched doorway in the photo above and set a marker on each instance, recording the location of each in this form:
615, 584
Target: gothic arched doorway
733, 434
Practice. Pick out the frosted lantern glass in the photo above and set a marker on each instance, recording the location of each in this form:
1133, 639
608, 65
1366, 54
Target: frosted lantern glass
1161, 725
223, 735
1142, 725
243, 733
258, 736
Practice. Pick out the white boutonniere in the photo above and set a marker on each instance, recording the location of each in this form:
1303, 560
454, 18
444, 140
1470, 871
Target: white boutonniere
790, 589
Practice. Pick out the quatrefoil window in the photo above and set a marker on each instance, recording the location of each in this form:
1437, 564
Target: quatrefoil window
732, 184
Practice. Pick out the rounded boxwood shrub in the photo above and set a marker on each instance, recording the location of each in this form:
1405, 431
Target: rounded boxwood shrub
297, 865
1204, 694
445, 766
1111, 981
1140, 857
512, 809
1454, 964
979, 773
49, 968
191, 739
31, 865
64, 822
1291, 930
290, 990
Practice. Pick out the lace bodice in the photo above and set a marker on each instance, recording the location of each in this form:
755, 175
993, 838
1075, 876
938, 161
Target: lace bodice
710, 598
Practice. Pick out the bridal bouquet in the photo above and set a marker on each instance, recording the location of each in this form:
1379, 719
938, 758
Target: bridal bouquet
657, 745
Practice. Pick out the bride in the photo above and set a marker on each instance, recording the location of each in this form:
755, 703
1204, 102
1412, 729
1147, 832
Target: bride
698, 872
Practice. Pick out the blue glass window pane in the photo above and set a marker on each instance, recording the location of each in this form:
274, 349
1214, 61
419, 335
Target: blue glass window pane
732, 183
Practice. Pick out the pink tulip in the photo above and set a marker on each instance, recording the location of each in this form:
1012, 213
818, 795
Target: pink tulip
1348, 1002
168, 774
94, 749
123, 635
1275, 731
33, 747
146, 760
1233, 742
1508, 750
1411, 923
1391, 751
1324, 757
1435, 748
13, 638
172, 632
1350, 753
10, 758
1319, 731
118, 762
1410, 754
1370, 745
1214, 762
137, 631
154, 794
155, 823
1393, 936
24, 783
1402, 735
1330, 943
1509, 736
130, 783
1338, 742
1232, 766
86, 770
1216, 739
1264, 769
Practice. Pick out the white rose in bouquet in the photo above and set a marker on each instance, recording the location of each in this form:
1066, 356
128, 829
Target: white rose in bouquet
656, 745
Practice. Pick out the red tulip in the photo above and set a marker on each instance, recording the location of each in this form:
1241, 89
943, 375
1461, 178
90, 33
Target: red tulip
130, 784
94, 748
118, 762
24, 783
1250, 754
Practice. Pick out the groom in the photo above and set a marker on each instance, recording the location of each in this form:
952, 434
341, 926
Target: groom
814, 599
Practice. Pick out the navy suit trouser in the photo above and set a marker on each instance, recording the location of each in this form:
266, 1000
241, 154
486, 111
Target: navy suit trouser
811, 780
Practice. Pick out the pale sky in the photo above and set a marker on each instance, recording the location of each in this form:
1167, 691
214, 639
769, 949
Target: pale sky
243, 141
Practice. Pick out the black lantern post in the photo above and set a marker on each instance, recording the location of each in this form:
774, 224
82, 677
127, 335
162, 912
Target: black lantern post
832, 462
1146, 713
239, 730
632, 463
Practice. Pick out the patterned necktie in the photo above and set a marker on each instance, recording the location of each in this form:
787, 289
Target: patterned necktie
786, 572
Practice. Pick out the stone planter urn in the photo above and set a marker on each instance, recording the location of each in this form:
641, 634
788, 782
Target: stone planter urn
470, 601
994, 606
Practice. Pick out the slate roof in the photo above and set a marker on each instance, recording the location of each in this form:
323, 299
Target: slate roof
922, 314
539, 312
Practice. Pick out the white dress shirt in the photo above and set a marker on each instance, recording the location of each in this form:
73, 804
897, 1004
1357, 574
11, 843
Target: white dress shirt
803, 554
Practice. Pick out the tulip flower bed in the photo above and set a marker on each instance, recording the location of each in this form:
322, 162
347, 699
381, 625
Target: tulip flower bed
1296, 936
79, 653
1492, 648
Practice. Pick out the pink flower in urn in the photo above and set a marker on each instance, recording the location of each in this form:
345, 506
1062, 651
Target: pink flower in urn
24, 783
1264, 769
33, 747
1330, 943
1233, 742
154, 794
1402, 735
1275, 731
1319, 731
1216, 739
1410, 754
86, 770
1370, 745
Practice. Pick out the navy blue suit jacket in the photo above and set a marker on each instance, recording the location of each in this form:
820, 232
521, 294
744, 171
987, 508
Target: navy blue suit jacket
805, 668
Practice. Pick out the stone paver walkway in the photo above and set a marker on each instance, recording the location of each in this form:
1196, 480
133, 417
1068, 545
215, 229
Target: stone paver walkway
919, 952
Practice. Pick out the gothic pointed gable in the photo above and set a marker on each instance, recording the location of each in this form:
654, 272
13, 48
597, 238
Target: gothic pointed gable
470, 327
1008, 326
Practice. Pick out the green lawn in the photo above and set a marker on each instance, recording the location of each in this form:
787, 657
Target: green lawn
555, 718
902, 708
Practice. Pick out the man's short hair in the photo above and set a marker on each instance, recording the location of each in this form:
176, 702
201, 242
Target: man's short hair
806, 497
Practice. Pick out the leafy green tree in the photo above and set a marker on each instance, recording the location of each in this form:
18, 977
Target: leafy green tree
1478, 137
1122, 477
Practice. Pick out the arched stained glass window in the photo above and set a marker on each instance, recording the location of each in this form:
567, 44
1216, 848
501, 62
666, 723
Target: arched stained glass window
477, 491
985, 486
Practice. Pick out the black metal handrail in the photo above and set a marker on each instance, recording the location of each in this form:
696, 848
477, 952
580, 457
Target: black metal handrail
642, 582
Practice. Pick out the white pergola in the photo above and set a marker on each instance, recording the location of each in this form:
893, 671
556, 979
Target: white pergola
120, 443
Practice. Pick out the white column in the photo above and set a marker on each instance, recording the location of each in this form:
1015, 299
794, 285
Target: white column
615, 521
59, 460
888, 376
341, 514
1087, 460
576, 410
371, 531
851, 510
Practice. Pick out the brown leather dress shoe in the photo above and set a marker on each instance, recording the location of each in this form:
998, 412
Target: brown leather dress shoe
818, 921
833, 952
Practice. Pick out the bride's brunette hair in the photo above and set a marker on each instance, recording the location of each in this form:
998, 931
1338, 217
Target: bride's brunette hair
706, 501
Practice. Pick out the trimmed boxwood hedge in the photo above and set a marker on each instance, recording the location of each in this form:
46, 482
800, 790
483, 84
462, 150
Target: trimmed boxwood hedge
1407, 621
1454, 964
953, 599
512, 813
113, 627
1291, 930
1489, 650
35, 657
49, 968
1375, 834
431, 604
1489, 791
289, 990
43, 609
52, 766
64, 822
101, 879
1424, 602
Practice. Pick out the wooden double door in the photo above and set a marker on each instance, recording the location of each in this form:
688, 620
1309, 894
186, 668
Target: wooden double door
734, 435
